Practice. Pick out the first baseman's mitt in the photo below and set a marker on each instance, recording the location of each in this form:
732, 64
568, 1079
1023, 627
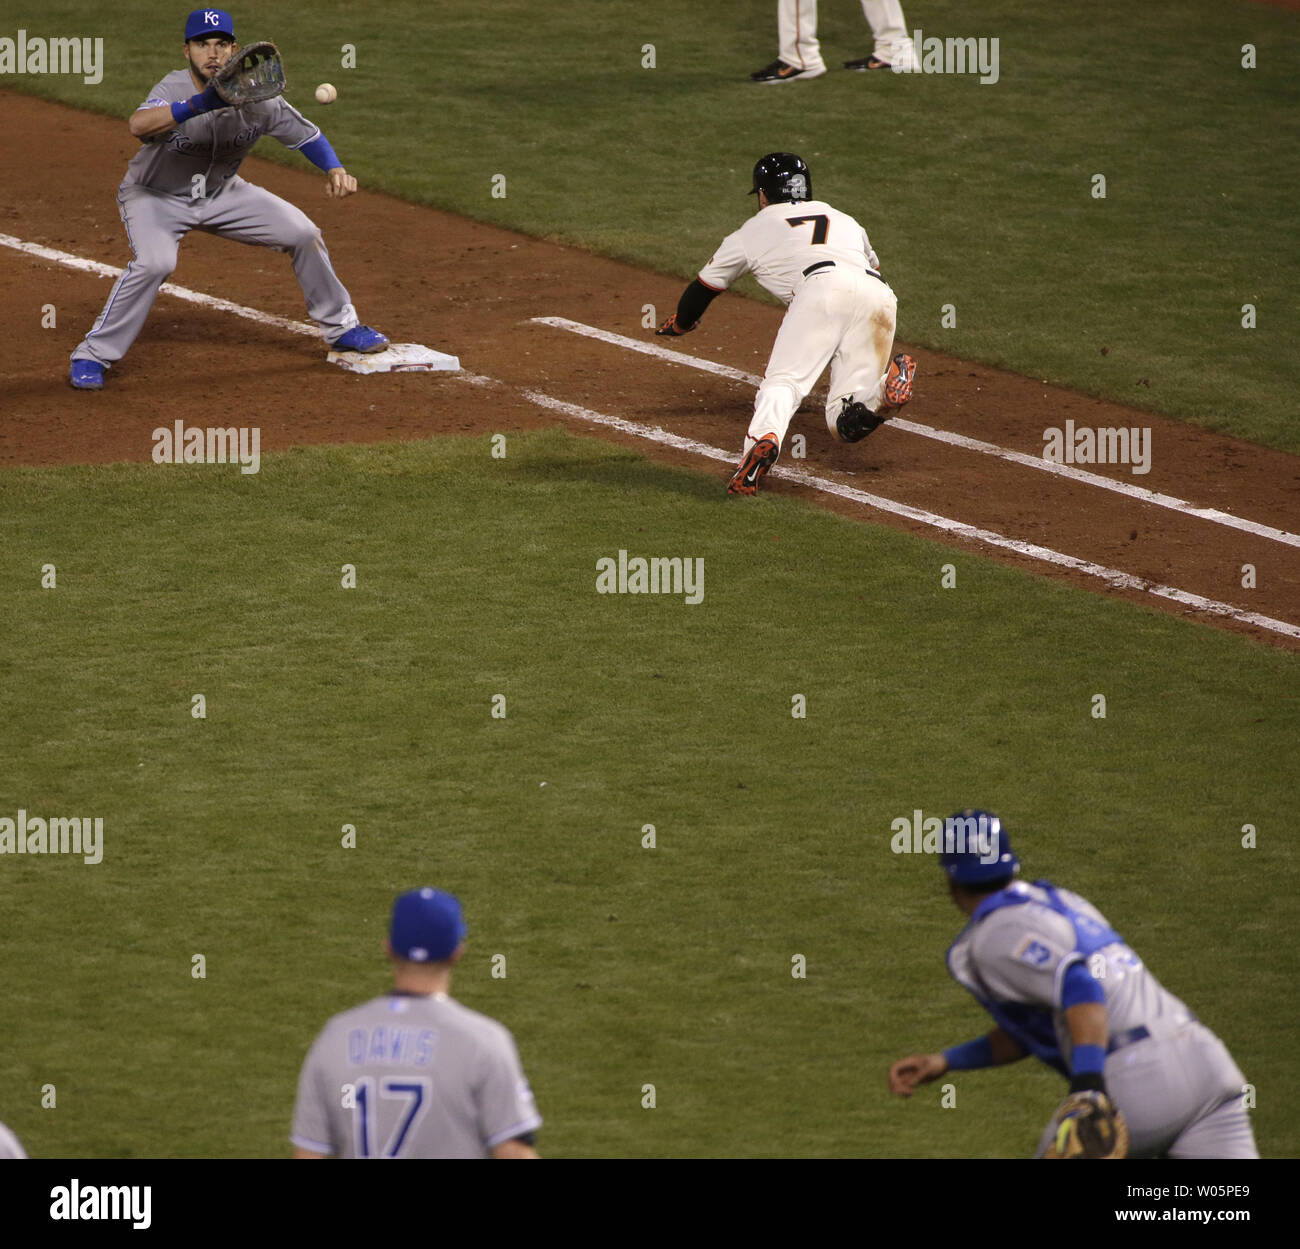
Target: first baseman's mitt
1088, 1125
254, 73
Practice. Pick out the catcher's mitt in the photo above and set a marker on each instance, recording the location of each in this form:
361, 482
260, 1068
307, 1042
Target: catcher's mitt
254, 73
1088, 1125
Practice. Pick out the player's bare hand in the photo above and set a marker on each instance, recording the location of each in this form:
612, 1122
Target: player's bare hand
341, 184
907, 1073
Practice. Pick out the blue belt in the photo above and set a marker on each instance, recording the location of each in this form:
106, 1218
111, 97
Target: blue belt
1120, 1039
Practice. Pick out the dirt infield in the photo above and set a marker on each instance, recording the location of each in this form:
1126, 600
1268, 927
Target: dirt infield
472, 290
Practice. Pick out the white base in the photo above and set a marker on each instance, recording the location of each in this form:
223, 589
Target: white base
396, 358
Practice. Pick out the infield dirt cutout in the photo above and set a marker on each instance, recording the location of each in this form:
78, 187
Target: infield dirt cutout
473, 290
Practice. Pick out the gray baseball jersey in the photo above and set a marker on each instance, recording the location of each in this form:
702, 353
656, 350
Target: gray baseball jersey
188, 179
412, 1076
1171, 1077
212, 145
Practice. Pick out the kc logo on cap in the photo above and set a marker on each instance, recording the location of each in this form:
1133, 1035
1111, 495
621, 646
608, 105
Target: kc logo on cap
204, 23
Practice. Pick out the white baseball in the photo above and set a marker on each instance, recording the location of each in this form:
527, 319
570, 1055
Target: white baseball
327, 93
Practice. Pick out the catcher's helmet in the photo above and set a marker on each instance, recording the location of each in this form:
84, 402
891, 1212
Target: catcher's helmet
976, 848
782, 177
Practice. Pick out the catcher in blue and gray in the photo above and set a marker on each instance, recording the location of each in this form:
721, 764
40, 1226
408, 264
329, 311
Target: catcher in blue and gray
1061, 984
186, 177
414, 1074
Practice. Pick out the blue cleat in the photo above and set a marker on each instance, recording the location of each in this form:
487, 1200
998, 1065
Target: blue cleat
360, 338
87, 375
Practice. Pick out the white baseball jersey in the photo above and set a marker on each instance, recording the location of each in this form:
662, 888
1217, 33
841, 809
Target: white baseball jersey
782, 240
412, 1076
1170, 1076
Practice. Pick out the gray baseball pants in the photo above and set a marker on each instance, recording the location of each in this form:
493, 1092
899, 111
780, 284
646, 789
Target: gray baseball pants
1182, 1096
155, 224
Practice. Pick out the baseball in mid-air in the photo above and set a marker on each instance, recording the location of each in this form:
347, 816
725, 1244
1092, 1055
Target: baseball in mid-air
327, 93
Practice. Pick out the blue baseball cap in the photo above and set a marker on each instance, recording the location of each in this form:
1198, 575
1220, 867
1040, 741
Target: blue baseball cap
427, 926
976, 848
204, 23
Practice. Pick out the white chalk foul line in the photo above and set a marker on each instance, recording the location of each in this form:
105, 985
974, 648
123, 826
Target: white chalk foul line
168, 288
957, 440
1111, 576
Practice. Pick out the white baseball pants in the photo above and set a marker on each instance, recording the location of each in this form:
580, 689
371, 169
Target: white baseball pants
796, 23
839, 316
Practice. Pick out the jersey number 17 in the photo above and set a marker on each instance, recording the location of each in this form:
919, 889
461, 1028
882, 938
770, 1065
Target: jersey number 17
412, 1089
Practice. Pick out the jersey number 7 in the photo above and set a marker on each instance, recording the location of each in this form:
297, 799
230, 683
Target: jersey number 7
819, 224
414, 1089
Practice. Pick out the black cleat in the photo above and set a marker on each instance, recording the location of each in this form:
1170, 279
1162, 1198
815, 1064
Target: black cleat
856, 421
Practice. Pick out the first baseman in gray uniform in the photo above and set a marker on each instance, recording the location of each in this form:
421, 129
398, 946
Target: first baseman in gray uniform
414, 1074
186, 177
1061, 984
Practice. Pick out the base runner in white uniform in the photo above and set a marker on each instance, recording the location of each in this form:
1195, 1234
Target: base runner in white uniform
1063, 985
414, 1074
841, 312
801, 54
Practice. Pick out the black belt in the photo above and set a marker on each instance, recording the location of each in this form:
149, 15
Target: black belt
826, 264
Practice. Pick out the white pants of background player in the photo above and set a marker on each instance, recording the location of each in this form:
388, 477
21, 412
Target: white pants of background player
839, 316
796, 23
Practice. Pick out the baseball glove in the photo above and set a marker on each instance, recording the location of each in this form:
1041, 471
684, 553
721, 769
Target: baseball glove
1088, 1125
671, 329
254, 73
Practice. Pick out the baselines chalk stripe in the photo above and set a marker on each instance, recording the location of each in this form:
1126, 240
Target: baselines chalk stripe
168, 288
1111, 576
957, 440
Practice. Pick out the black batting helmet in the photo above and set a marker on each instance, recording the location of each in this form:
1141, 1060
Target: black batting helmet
782, 177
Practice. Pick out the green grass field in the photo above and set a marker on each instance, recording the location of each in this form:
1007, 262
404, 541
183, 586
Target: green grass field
978, 196
371, 707
625, 966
